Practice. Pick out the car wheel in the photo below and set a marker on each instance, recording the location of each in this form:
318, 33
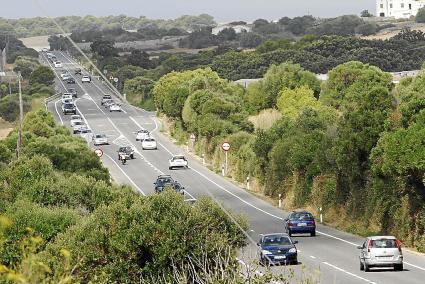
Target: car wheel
170, 168
313, 234
398, 267
366, 267
289, 233
119, 158
295, 262
361, 266
131, 156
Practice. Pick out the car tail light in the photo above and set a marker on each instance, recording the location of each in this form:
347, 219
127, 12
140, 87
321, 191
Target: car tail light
369, 245
398, 243
313, 223
290, 224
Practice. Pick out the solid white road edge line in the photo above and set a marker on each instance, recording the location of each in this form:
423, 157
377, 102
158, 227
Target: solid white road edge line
56, 108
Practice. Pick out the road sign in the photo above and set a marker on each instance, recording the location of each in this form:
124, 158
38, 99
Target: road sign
192, 137
98, 152
225, 146
111, 78
116, 80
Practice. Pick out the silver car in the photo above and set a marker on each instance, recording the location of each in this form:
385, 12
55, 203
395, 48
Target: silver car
381, 251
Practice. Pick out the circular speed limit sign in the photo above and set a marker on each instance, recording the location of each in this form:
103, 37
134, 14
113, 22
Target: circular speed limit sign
98, 152
225, 146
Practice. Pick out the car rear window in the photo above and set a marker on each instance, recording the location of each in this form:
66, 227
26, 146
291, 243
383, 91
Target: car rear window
302, 216
384, 243
276, 240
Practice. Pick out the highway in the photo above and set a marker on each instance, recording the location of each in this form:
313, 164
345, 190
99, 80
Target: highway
330, 257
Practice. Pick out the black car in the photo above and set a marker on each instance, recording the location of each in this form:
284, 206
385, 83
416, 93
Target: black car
73, 92
162, 182
127, 151
70, 80
277, 249
69, 108
300, 222
78, 71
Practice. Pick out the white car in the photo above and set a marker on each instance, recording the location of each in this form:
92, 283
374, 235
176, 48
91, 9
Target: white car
58, 64
178, 161
149, 144
66, 98
87, 134
64, 74
78, 126
44, 50
85, 79
65, 77
114, 107
74, 119
142, 134
100, 139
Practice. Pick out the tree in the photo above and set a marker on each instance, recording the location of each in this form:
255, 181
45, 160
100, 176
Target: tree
420, 16
139, 58
42, 75
104, 48
227, 34
138, 89
291, 102
250, 39
367, 29
365, 14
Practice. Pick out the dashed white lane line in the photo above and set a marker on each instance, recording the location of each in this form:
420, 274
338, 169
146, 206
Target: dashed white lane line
349, 273
312, 256
123, 172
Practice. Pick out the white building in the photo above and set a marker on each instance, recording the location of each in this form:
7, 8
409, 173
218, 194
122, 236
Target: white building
398, 8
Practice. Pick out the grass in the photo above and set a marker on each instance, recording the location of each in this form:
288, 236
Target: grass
5, 128
265, 118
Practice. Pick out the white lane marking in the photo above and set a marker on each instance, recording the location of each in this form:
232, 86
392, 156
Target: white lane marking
349, 273
415, 266
312, 256
56, 108
75, 64
123, 172
253, 206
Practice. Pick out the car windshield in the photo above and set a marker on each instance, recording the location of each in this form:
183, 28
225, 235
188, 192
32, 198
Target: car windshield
79, 123
164, 180
384, 243
75, 117
276, 240
149, 140
302, 216
125, 149
100, 136
179, 158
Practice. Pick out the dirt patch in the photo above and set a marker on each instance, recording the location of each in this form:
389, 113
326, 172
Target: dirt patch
36, 42
5, 128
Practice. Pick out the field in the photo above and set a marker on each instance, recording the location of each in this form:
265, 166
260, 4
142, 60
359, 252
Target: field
36, 42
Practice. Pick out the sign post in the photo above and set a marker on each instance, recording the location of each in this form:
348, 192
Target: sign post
226, 147
193, 139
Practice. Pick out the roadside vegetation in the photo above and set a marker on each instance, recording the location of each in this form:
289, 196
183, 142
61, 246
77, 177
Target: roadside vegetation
352, 145
37, 80
62, 221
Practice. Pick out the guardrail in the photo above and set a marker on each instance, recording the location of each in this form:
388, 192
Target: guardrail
51, 98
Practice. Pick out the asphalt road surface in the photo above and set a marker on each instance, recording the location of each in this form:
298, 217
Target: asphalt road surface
330, 257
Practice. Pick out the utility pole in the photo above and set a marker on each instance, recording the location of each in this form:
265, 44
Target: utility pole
21, 118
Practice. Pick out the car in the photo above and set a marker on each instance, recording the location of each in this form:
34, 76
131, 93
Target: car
100, 139
149, 144
127, 151
108, 103
75, 118
105, 98
66, 97
161, 182
178, 161
276, 249
67, 101
70, 80
114, 107
87, 133
78, 71
65, 77
142, 134
381, 251
86, 79
69, 108
58, 64
44, 50
300, 222
73, 92
78, 126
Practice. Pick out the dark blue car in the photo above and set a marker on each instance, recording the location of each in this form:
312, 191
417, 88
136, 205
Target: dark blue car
277, 249
300, 223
